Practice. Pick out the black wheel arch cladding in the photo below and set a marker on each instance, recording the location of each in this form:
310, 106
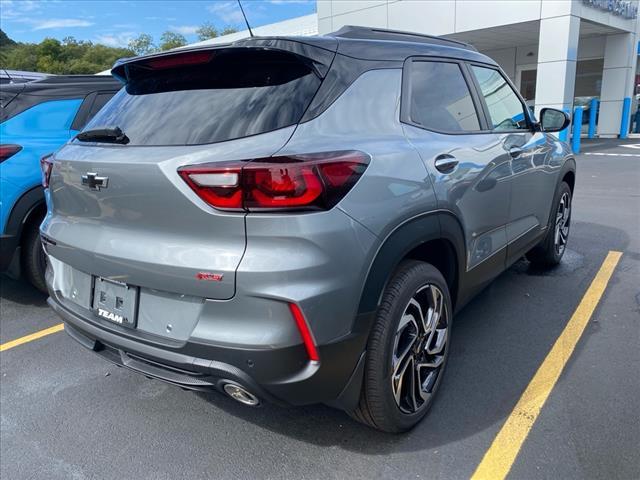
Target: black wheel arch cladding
439, 225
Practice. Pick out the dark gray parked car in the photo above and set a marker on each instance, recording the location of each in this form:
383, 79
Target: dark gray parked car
297, 219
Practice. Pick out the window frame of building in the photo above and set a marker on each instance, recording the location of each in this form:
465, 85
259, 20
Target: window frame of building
405, 102
531, 122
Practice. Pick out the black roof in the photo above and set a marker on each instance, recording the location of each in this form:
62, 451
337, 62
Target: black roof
391, 45
366, 33
363, 43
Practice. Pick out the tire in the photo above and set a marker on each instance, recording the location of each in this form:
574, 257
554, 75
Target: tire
34, 263
379, 406
549, 252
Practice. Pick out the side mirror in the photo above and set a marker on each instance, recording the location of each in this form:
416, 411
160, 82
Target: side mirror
553, 120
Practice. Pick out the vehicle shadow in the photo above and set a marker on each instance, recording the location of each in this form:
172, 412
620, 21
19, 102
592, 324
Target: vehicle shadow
21, 292
499, 341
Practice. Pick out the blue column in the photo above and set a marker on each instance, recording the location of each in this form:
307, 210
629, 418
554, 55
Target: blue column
593, 111
563, 136
624, 121
577, 127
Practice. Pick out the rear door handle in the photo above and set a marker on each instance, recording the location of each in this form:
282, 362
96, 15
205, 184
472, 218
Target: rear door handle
445, 163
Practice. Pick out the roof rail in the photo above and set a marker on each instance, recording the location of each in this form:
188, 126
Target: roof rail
368, 33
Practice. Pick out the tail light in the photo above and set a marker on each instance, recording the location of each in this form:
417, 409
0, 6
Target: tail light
305, 333
7, 151
297, 182
46, 164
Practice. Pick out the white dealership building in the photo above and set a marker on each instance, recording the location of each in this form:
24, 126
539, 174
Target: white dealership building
559, 53
555, 51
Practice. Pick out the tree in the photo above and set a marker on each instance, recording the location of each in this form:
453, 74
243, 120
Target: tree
206, 31
63, 57
170, 40
142, 44
5, 41
229, 30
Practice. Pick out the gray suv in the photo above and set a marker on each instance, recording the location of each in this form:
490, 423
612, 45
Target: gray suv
297, 220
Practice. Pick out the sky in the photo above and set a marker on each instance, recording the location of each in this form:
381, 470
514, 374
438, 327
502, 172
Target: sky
115, 22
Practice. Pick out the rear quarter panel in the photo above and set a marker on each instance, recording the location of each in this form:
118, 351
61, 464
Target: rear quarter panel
396, 185
394, 188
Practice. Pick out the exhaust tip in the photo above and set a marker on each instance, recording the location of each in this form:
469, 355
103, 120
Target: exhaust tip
240, 394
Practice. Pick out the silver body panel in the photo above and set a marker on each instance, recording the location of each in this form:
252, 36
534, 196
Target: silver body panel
148, 229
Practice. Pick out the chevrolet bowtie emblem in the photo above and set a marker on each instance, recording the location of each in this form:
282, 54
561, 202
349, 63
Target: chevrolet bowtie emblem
94, 182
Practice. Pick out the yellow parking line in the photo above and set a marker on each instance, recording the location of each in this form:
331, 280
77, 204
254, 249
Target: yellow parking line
497, 461
32, 337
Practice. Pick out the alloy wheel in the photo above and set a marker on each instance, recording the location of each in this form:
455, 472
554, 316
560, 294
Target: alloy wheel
419, 349
563, 219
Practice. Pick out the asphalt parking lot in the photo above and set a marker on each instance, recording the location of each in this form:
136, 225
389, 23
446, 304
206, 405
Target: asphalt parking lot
65, 413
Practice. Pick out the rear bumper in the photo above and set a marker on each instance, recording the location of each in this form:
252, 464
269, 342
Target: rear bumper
316, 261
334, 380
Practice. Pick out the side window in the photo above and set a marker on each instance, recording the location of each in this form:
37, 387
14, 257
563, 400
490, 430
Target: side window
440, 98
505, 109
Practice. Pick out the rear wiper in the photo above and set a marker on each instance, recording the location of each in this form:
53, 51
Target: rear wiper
105, 135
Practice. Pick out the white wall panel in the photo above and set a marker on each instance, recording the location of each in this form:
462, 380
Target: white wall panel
614, 82
370, 17
435, 17
324, 8
558, 39
609, 119
325, 25
556, 8
555, 82
616, 52
345, 6
473, 14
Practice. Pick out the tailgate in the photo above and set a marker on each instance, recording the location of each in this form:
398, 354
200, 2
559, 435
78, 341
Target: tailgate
147, 227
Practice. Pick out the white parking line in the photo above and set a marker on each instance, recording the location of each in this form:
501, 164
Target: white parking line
615, 154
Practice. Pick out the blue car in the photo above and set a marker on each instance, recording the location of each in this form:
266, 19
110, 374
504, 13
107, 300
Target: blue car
36, 118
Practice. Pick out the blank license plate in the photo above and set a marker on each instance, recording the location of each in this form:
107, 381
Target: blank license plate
115, 301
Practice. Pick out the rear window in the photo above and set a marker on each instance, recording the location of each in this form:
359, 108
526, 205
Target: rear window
6, 97
236, 93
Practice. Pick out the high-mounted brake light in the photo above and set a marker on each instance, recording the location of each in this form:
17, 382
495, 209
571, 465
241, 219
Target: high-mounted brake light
179, 60
8, 150
305, 333
297, 182
46, 165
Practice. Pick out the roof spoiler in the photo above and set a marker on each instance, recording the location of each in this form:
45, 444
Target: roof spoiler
320, 57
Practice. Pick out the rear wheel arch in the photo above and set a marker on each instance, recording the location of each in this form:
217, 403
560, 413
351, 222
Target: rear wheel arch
570, 179
436, 238
27, 209
568, 173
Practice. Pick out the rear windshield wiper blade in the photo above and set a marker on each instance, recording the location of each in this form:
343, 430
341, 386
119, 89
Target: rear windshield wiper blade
105, 135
